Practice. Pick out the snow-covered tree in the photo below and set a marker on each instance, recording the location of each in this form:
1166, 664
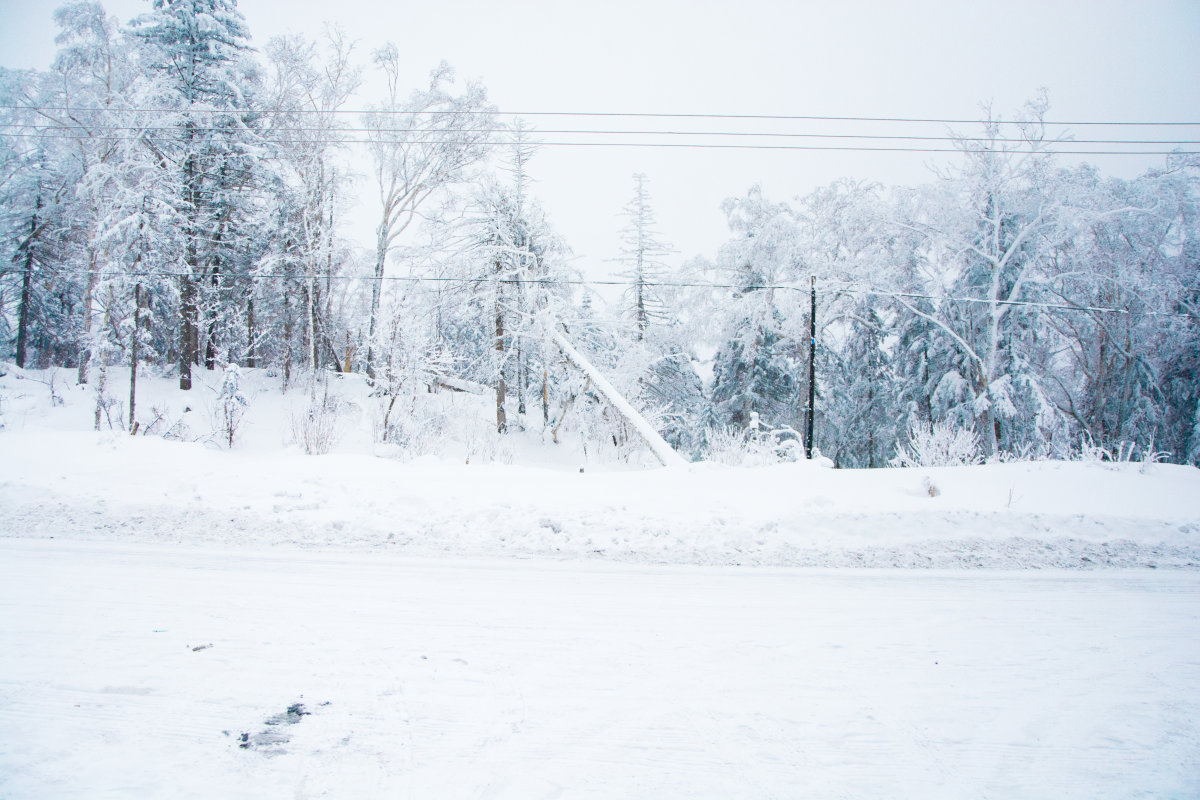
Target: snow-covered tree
642, 254
309, 84
419, 144
988, 244
758, 369
196, 66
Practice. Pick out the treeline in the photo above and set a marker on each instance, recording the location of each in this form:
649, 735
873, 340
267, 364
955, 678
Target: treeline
167, 190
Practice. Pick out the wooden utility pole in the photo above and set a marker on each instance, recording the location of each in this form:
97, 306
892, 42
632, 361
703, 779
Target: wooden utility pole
812, 371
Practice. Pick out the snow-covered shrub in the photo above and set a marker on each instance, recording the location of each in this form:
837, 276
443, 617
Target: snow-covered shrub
725, 445
937, 444
485, 445
754, 445
56, 399
231, 405
1029, 451
317, 428
110, 411
159, 424
1092, 453
408, 420
1122, 453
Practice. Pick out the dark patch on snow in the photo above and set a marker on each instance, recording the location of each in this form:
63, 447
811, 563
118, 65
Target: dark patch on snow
272, 739
295, 712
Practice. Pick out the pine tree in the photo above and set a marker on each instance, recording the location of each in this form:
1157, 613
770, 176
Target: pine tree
195, 59
757, 369
642, 257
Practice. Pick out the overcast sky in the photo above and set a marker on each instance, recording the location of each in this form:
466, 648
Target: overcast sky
1099, 60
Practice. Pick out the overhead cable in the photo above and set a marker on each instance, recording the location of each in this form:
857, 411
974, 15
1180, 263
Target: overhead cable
742, 288
625, 114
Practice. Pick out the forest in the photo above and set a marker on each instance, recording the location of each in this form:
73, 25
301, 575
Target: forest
174, 200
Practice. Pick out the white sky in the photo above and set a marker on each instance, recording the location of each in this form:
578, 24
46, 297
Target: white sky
1099, 59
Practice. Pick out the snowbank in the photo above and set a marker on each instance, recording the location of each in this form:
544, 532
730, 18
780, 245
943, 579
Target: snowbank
58, 479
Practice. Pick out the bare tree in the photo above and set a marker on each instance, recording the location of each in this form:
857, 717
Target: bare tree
311, 82
642, 253
419, 144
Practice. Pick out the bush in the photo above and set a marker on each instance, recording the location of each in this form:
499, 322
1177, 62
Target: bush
231, 405
1122, 453
937, 444
317, 429
753, 446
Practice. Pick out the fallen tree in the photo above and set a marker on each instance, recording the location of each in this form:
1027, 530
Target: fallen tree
665, 454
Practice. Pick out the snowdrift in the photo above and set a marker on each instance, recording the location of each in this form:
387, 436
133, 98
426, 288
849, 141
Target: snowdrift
60, 479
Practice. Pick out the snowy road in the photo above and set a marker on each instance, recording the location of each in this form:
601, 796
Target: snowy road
540, 679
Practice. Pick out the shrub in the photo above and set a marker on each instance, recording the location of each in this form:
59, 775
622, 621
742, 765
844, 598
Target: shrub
937, 444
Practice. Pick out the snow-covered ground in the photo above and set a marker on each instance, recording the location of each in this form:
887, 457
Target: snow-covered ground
141, 670
59, 478
477, 617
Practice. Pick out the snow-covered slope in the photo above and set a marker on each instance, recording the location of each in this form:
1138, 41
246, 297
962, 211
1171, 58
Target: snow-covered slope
58, 478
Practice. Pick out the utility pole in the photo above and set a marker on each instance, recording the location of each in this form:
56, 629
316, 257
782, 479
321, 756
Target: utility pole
812, 371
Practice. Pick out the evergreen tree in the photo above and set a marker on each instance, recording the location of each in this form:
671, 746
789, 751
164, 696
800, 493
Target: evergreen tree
757, 369
195, 55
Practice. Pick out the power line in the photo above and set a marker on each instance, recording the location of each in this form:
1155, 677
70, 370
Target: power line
743, 288
620, 114
661, 145
66, 129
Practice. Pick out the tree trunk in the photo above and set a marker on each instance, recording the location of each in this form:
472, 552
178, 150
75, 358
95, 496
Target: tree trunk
287, 338
210, 345
376, 291
521, 381
89, 300
250, 361
314, 323
102, 380
23, 308
306, 324
190, 330
987, 423
502, 422
189, 311
27, 287
641, 301
133, 353
501, 388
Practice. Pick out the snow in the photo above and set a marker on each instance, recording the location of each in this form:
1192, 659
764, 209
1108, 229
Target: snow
133, 670
530, 499
492, 620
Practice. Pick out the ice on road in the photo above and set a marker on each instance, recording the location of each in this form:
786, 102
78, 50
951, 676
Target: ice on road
140, 671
